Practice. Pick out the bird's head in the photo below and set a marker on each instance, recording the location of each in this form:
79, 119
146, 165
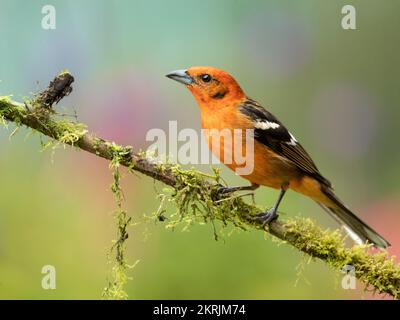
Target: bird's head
211, 87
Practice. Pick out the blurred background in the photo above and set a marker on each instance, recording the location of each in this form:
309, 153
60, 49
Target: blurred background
338, 91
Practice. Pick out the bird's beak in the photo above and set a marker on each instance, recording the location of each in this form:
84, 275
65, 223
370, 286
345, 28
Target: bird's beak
181, 76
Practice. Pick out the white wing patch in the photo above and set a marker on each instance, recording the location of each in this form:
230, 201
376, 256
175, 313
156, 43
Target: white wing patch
266, 125
292, 141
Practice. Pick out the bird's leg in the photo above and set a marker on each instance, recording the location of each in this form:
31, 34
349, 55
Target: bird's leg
266, 217
226, 190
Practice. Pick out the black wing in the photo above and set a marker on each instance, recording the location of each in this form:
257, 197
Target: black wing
271, 132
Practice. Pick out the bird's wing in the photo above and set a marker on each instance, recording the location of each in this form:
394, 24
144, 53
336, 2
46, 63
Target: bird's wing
269, 131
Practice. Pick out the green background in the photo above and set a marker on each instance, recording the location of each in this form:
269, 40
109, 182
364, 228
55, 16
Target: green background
337, 90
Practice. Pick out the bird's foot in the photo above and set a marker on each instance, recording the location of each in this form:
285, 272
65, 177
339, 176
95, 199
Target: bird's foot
265, 218
222, 192
226, 190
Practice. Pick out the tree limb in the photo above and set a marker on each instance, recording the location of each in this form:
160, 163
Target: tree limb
376, 270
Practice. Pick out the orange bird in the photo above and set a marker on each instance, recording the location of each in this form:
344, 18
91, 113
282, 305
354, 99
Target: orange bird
280, 161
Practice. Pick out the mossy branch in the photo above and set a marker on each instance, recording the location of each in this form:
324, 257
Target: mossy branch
195, 192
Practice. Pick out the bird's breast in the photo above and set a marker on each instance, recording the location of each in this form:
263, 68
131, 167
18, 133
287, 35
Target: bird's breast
226, 135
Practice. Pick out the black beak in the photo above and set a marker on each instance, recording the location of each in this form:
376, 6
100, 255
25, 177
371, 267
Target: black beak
181, 76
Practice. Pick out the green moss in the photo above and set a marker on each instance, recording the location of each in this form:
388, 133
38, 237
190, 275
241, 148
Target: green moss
11, 110
119, 154
196, 200
69, 132
64, 72
375, 268
62, 131
119, 272
3, 121
4, 102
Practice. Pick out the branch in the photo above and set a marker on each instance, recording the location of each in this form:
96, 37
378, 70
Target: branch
195, 192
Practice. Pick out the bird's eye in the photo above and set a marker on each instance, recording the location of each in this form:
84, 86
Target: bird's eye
205, 77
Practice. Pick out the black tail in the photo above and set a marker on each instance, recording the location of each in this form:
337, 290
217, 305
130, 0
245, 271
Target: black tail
359, 231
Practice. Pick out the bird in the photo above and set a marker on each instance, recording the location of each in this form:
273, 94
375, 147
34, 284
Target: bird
280, 161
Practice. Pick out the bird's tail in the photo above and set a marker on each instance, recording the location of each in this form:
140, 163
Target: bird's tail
359, 231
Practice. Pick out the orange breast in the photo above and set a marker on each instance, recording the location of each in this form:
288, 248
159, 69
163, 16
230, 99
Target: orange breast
225, 131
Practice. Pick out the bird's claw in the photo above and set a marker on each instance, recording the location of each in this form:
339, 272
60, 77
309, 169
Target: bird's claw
225, 190
221, 192
265, 218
